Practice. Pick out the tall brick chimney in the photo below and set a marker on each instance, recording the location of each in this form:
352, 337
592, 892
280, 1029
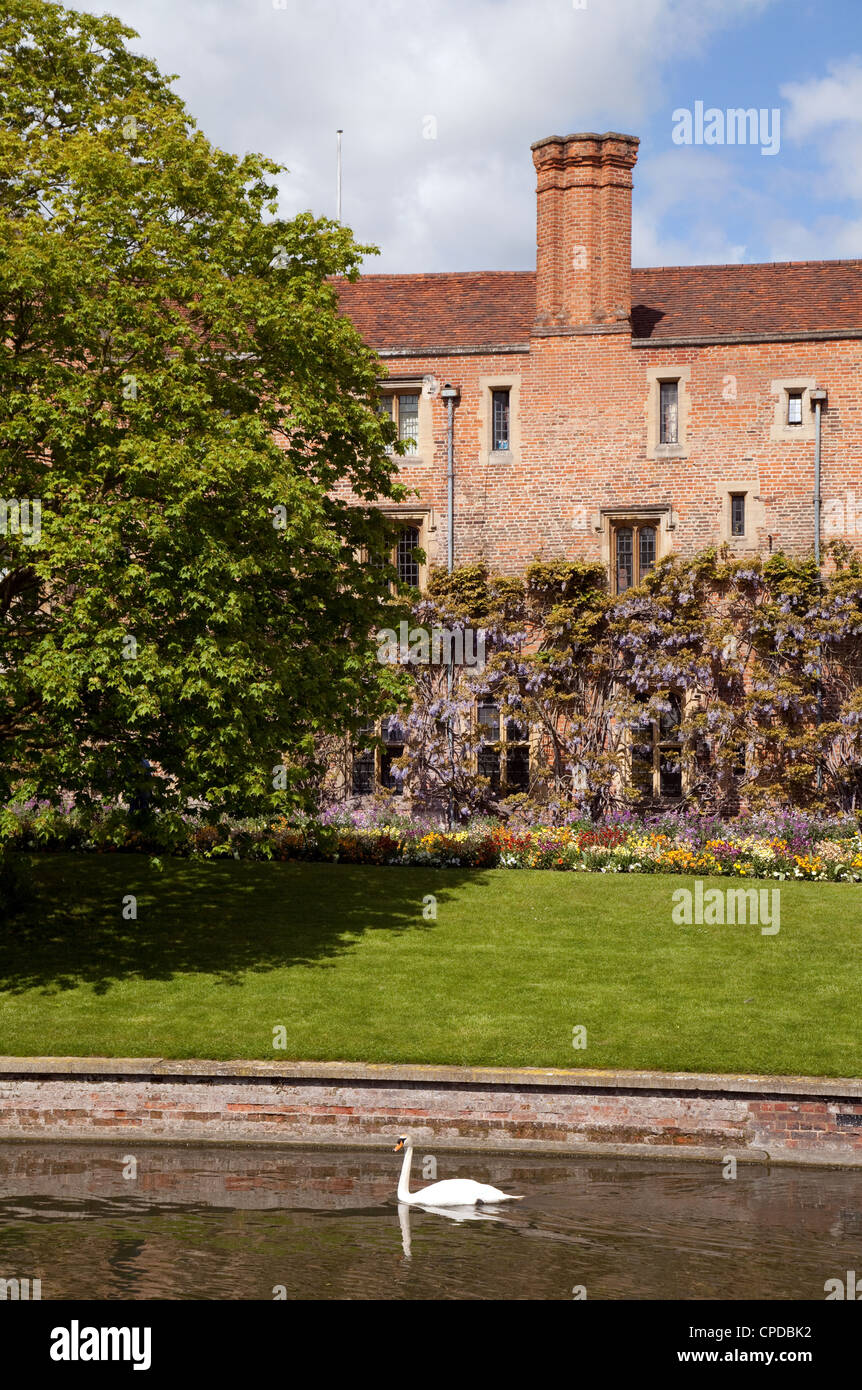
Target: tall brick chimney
584, 232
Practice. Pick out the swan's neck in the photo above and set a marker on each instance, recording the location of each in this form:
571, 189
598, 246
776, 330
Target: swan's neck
404, 1180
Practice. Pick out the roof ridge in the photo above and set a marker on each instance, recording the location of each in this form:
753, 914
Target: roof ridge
643, 269
432, 274
751, 265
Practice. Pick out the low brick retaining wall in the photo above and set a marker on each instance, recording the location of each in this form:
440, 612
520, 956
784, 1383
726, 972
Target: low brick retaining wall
759, 1118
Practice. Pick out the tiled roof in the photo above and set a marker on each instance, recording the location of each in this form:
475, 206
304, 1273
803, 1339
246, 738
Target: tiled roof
472, 309
735, 300
494, 308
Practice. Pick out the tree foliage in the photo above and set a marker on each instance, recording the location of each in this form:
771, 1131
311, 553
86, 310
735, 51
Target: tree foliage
179, 396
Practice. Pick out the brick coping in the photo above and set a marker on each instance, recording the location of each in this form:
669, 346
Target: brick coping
365, 1073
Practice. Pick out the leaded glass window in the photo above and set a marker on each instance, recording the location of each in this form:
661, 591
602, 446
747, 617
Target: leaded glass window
517, 756
737, 514
504, 753
634, 555
408, 419
647, 549
403, 408
500, 421
393, 734
488, 719
406, 558
669, 412
656, 755
625, 558
363, 766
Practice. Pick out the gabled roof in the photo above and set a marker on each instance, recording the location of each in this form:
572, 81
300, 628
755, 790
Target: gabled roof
474, 309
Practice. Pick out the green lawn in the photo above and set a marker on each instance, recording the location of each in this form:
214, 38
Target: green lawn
223, 952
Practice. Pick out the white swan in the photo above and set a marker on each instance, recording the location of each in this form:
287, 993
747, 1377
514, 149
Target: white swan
456, 1192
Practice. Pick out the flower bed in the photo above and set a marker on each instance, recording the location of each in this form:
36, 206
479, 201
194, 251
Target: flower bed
782, 847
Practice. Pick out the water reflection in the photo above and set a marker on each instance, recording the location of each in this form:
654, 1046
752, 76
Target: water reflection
205, 1223
457, 1214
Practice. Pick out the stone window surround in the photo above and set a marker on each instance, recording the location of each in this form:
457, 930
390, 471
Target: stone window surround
487, 386
755, 511
378, 753
532, 741
681, 374
686, 701
425, 520
780, 432
396, 386
607, 519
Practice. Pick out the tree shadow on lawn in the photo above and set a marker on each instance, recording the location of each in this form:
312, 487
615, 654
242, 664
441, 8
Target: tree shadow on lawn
218, 918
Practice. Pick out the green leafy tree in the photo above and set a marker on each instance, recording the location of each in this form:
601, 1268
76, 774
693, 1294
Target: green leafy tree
183, 415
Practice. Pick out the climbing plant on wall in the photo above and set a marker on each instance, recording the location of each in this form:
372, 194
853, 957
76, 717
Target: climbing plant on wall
742, 677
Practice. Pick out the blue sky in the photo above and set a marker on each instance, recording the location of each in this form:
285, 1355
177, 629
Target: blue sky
485, 78
805, 58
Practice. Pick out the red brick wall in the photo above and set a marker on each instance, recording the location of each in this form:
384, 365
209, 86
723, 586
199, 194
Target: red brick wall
584, 383
584, 445
343, 1103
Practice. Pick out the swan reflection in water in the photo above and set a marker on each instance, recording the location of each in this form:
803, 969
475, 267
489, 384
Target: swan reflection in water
451, 1213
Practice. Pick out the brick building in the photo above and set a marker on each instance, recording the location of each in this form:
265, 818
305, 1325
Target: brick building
614, 414
618, 413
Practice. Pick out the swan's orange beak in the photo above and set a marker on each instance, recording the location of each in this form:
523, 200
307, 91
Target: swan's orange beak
399, 1145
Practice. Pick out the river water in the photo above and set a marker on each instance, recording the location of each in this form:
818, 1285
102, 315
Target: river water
188, 1222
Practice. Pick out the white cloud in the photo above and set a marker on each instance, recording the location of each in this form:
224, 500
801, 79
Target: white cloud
825, 101
698, 186
829, 110
496, 75
827, 237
